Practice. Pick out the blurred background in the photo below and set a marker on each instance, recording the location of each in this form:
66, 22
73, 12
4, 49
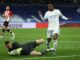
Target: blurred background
26, 12
58, 2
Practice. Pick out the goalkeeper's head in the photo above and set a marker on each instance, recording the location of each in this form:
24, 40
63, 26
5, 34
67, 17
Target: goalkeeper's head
8, 44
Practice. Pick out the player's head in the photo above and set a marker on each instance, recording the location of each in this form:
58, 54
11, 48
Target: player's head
50, 7
7, 7
8, 44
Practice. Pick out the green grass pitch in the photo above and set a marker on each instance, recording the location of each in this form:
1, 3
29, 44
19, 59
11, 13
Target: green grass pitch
68, 44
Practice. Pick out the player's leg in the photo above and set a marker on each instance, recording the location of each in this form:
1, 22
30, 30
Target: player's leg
12, 33
33, 44
55, 39
3, 30
49, 35
33, 53
9, 31
29, 47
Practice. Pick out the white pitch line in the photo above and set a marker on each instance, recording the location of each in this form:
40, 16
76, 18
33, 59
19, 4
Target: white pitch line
47, 57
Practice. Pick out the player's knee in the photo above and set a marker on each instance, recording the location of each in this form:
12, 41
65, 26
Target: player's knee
3, 30
55, 36
40, 41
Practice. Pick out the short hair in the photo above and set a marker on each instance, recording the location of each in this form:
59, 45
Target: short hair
50, 3
7, 42
7, 5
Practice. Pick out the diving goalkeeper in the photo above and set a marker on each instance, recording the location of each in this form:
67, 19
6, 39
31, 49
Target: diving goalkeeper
24, 49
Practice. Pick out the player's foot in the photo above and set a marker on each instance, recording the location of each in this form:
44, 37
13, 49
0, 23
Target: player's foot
13, 36
53, 51
43, 52
1, 37
47, 50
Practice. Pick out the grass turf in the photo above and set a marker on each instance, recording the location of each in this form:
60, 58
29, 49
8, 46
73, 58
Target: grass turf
68, 44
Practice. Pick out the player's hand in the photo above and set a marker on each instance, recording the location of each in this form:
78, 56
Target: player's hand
39, 12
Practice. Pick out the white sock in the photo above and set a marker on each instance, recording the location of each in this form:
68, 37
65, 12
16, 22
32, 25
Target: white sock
55, 44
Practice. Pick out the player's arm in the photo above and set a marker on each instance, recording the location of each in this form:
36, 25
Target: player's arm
63, 17
41, 16
12, 53
15, 52
17, 45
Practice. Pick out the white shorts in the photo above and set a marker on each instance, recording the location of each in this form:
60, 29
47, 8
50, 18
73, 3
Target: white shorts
50, 33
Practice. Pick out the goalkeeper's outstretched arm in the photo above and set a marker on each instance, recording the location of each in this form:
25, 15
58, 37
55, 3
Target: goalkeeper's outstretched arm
15, 52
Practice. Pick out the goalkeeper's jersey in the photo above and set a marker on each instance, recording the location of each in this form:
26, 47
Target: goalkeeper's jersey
24, 49
15, 45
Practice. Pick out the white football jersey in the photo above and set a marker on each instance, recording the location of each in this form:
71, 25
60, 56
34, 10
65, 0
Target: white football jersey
53, 18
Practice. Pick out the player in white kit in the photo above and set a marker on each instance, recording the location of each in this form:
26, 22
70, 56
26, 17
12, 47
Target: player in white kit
7, 17
52, 15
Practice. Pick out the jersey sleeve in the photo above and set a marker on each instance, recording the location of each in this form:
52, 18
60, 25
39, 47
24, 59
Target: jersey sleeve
16, 45
46, 16
62, 16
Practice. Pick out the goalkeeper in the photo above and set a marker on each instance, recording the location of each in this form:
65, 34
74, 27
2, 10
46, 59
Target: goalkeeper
24, 49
